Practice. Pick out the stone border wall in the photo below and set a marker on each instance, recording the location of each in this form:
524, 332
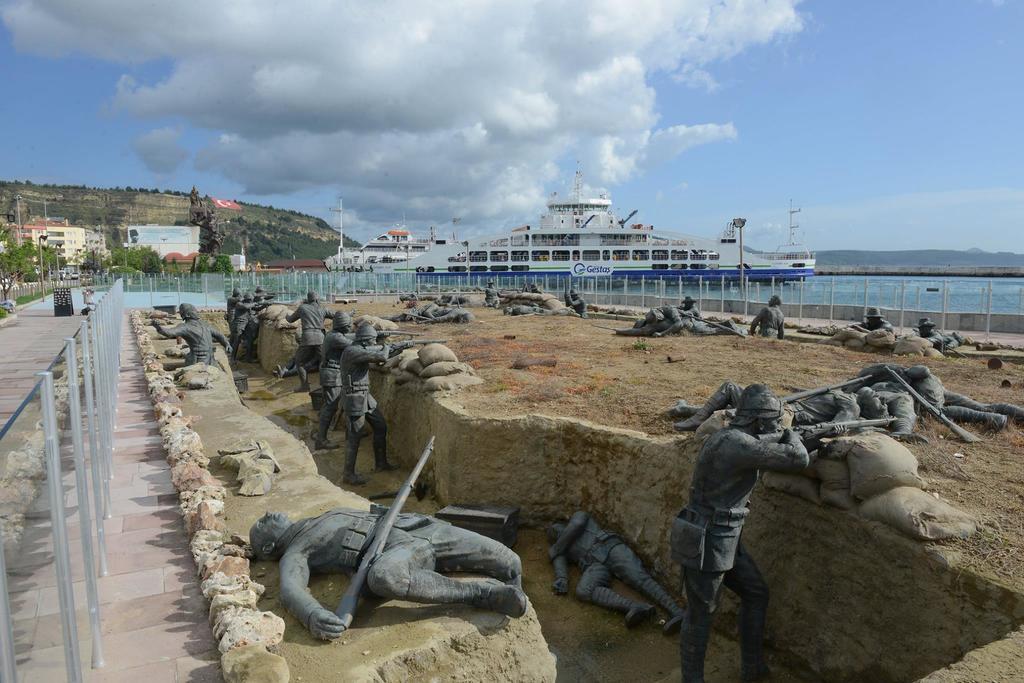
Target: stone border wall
246, 636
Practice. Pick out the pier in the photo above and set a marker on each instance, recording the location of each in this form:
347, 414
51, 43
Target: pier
925, 271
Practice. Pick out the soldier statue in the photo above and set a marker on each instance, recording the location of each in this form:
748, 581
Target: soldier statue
198, 335
688, 307
335, 344
235, 297
661, 320
416, 551
360, 406
574, 301
770, 319
491, 299
873, 320
311, 313
602, 556
241, 312
941, 342
706, 533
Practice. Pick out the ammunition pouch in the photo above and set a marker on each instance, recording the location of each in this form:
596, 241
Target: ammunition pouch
687, 542
707, 541
355, 540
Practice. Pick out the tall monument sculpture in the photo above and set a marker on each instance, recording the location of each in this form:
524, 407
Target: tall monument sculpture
201, 213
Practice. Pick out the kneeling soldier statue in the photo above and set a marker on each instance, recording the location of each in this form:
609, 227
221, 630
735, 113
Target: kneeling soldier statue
603, 556
198, 335
416, 550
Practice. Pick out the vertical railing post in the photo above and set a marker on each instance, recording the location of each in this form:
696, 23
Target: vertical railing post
54, 481
864, 312
832, 300
945, 303
903, 302
94, 452
988, 314
800, 308
8, 669
721, 284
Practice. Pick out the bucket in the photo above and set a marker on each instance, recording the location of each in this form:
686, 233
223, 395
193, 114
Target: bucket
241, 381
317, 397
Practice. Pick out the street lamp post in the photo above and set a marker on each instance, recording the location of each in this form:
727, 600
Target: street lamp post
42, 277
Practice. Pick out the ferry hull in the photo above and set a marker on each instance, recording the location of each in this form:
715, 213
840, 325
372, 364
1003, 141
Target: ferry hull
754, 274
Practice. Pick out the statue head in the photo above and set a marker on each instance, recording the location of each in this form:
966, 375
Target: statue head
235, 292
342, 321
760, 409
925, 326
775, 301
188, 312
688, 303
259, 291
873, 313
871, 406
554, 531
490, 283
266, 533
311, 297
247, 298
366, 334
916, 373
573, 292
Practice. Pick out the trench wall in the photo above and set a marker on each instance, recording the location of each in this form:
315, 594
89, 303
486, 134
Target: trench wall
851, 599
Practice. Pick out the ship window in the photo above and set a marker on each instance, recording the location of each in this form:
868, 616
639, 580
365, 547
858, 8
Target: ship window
477, 269
698, 255
641, 255
560, 255
541, 256
678, 254
799, 265
659, 254
500, 256
520, 269
520, 256
456, 269
606, 255
678, 266
659, 266
591, 255
499, 269
620, 255
713, 255
697, 266
576, 255
477, 256
441, 242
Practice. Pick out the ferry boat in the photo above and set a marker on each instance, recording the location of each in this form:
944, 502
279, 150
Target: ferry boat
582, 237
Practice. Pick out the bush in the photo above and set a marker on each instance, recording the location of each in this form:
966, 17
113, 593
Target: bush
3, 313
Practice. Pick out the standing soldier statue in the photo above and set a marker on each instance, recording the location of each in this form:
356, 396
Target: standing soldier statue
706, 533
312, 315
198, 335
330, 374
360, 406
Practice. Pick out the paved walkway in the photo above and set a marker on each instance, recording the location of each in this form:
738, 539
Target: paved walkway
154, 620
26, 347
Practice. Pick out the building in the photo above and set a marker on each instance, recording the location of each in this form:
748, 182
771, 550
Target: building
306, 265
180, 240
96, 243
69, 241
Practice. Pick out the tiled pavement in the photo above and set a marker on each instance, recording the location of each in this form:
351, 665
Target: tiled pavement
153, 617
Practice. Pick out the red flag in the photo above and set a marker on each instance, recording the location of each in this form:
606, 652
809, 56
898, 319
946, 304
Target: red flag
225, 204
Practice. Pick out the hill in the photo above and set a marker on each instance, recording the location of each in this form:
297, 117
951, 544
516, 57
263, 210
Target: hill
918, 257
271, 233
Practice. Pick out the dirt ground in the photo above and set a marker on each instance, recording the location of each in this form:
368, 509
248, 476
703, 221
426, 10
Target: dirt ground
630, 382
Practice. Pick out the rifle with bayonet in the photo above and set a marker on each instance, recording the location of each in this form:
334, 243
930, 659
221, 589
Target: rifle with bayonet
719, 326
397, 333
809, 393
397, 348
823, 428
934, 410
347, 607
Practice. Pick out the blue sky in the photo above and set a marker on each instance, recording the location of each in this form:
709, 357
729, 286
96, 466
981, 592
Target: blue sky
894, 125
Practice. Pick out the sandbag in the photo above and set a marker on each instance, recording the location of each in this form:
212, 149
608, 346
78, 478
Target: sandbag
846, 334
911, 346
378, 323
445, 367
880, 339
793, 484
275, 311
718, 420
451, 382
395, 361
876, 462
404, 376
932, 352
855, 344
835, 483
918, 514
553, 305
411, 364
436, 353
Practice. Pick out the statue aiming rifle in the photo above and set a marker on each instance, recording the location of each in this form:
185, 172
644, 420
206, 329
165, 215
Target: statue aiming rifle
825, 428
965, 435
347, 607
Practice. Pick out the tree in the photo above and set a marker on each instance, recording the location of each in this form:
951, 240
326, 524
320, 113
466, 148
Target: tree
144, 259
16, 260
222, 264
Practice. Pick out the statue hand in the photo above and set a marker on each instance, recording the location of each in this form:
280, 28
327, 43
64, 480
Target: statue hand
910, 438
560, 586
836, 430
227, 349
325, 625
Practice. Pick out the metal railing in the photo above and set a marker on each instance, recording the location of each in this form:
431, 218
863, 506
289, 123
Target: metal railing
85, 371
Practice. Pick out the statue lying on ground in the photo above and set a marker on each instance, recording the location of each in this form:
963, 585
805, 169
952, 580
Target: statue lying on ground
603, 556
529, 309
941, 342
416, 551
668, 320
433, 313
198, 335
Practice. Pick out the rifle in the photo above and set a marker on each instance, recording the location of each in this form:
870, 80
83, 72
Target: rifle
347, 607
824, 427
936, 412
402, 346
400, 333
800, 395
720, 326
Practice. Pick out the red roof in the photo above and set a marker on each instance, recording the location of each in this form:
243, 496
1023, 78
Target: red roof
177, 257
297, 264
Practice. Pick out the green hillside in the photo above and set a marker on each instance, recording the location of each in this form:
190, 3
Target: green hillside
271, 233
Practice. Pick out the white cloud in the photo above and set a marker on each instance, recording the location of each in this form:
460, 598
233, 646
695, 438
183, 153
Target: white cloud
435, 107
160, 151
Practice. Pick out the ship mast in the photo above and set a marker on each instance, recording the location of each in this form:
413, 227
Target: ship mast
792, 226
341, 236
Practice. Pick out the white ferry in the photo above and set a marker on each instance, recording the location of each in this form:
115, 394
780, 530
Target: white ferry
580, 237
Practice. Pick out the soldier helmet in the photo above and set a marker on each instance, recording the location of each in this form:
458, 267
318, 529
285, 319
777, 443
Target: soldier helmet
366, 333
873, 312
925, 322
247, 298
311, 297
259, 290
689, 301
573, 291
490, 283
775, 301
916, 373
188, 312
757, 401
235, 292
341, 319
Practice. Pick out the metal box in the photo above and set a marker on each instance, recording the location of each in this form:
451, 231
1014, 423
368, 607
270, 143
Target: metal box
493, 521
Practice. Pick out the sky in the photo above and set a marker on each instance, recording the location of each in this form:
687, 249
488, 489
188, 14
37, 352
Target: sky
892, 125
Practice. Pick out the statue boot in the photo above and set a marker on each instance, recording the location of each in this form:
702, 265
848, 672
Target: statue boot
1008, 409
752, 666
380, 452
303, 379
636, 612
682, 409
693, 645
993, 421
349, 476
320, 442
278, 371
653, 590
500, 597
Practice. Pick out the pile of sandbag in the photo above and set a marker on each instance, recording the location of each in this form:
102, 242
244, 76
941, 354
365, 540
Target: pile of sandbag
379, 324
914, 346
548, 301
277, 315
198, 376
435, 367
850, 338
255, 463
875, 476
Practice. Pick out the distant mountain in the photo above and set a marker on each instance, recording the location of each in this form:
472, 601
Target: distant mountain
271, 233
918, 257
